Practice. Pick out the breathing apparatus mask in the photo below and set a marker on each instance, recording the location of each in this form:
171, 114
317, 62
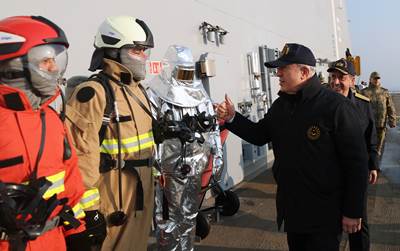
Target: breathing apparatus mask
134, 57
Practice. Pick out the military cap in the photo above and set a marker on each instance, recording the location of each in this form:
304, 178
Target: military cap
344, 66
293, 54
375, 74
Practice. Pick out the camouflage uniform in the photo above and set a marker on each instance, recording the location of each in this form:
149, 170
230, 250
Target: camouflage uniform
383, 109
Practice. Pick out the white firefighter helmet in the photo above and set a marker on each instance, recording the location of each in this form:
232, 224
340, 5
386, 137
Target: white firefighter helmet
119, 31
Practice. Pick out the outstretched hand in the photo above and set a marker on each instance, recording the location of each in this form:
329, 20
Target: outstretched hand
226, 109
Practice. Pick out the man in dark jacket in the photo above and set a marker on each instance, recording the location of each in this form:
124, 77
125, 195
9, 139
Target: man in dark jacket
320, 154
341, 74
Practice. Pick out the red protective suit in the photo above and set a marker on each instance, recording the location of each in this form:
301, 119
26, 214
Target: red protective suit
20, 137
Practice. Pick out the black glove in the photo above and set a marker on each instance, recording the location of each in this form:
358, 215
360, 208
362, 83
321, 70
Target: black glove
78, 242
158, 133
96, 231
206, 123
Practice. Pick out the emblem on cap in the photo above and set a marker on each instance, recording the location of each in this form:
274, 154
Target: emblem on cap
313, 133
340, 64
285, 50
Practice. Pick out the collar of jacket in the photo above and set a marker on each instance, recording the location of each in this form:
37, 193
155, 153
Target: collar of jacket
19, 99
309, 90
351, 95
374, 86
119, 71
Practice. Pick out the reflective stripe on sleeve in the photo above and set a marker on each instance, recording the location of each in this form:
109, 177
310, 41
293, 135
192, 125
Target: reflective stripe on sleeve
90, 198
78, 211
57, 186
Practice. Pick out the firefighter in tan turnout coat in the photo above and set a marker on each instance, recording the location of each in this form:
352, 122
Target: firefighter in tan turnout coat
117, 169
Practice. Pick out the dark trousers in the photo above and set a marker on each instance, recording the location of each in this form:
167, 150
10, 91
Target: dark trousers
314, 241
360, 241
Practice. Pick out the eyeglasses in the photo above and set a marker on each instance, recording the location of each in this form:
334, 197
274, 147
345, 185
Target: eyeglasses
139, 47
340, 77
139, 50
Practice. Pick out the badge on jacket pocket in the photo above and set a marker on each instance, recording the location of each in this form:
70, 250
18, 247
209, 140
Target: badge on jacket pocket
313, 133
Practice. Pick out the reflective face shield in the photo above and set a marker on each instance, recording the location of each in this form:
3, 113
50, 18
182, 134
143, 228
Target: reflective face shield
47, 64
178, 65
184, 73
49, 60
134, 57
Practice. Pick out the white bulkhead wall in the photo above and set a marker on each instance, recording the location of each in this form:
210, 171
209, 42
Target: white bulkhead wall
250, 24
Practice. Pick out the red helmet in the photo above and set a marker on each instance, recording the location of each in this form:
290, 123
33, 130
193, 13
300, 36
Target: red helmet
21, 33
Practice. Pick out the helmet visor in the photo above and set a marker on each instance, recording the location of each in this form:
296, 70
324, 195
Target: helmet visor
184, 73
138, 52
49, 61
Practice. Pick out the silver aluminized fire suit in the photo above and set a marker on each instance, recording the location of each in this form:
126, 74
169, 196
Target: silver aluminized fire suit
177, 93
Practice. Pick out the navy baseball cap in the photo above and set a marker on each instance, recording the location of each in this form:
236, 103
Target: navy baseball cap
344, 66
293, 54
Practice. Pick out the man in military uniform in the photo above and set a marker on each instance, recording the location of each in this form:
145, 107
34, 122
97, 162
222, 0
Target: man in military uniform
321, 161
342, 78
382, 107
